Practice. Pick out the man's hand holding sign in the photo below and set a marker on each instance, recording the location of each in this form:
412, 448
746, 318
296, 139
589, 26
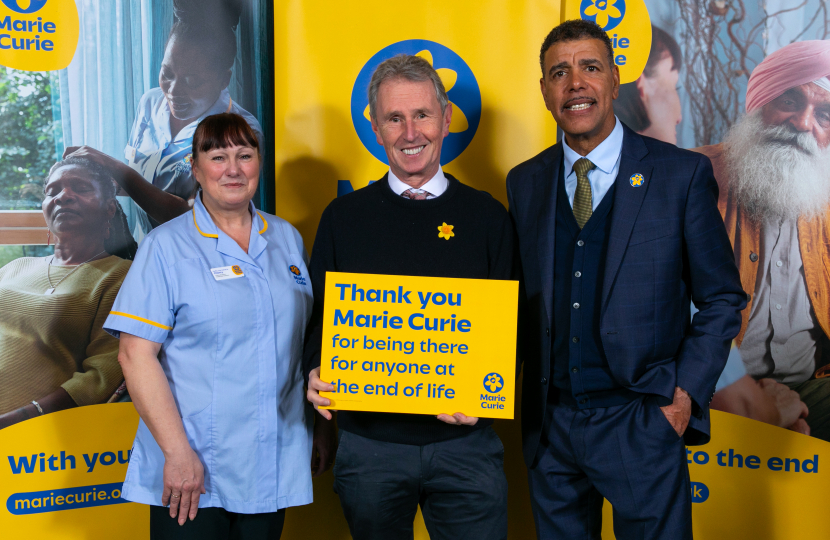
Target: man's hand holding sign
417, 345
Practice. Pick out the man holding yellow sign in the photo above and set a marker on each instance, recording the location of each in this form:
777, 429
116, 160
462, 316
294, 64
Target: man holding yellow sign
391, 344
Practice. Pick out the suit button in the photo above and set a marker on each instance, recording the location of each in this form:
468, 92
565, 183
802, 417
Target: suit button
544, 380
581, 243
577, 274
575, 370
753, 257
576, 305
547, 331
576, 339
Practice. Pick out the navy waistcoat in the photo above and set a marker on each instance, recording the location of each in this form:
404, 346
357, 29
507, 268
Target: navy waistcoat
580, 372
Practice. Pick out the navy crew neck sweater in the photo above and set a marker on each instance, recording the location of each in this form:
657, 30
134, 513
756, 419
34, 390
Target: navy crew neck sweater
374, 231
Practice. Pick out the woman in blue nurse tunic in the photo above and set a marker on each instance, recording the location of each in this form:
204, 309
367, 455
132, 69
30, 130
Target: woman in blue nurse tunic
193, 80
211, 318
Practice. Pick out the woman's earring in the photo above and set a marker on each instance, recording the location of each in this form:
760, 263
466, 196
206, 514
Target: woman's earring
107, 233
48, 237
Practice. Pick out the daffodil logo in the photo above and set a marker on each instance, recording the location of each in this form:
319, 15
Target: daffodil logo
459, 82
493, 382
606, 13
24, 6
445, 231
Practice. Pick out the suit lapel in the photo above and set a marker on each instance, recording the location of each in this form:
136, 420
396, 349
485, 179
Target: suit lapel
627, 202
545, 189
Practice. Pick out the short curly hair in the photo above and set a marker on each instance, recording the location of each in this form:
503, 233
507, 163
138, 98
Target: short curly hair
574, 30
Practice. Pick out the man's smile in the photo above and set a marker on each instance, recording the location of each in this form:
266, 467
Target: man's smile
579, 104
413, 151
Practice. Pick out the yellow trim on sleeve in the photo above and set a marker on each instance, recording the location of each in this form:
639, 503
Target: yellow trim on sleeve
142, 319
264, 223
200, 230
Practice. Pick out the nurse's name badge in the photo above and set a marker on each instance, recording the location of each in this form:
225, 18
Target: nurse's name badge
226, 272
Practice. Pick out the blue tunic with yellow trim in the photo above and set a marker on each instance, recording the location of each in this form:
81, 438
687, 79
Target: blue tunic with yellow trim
231, 325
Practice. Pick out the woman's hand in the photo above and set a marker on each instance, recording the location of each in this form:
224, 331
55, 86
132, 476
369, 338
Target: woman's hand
184, 475
315, 386
184, 482
108, 163
158, 204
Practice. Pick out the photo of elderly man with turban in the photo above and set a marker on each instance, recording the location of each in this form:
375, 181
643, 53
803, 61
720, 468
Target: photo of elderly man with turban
773, 170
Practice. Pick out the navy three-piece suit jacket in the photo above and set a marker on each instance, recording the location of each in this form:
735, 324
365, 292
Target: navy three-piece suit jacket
667, 246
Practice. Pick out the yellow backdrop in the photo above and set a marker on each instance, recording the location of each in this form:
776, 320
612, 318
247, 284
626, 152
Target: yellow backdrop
321, 48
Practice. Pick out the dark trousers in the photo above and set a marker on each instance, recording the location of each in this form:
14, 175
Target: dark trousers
216, 524
459, 484
630, 455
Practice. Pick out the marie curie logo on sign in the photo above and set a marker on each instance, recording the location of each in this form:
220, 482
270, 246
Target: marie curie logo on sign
459, 82
38, 35
493, 382
628, 27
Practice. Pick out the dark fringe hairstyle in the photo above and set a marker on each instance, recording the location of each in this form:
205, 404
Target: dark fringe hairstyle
221, 131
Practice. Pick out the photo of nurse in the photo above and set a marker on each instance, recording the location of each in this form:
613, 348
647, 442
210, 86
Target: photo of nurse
193, 83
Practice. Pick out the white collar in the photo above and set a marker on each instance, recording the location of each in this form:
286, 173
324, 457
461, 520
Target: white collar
437, 185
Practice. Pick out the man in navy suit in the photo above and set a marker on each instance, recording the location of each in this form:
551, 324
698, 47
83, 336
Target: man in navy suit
617, 234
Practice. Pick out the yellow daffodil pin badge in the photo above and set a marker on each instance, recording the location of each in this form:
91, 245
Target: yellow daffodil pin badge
445, 231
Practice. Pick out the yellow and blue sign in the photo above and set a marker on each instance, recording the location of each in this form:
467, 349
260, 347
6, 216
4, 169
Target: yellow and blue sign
61, 475
38, 35
628, 27
459, 82
420, 345
755, 480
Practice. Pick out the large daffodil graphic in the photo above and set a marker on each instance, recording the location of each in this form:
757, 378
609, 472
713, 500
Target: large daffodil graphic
604, 10
449, 77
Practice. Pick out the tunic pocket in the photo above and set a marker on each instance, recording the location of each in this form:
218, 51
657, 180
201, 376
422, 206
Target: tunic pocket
197, 428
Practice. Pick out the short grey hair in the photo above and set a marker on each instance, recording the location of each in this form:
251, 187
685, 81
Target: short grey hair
410, 68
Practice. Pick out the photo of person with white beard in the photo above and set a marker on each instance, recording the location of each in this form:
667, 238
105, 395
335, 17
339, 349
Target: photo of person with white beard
773, 170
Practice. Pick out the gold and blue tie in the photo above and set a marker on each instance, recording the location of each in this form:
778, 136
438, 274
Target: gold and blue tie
583, 207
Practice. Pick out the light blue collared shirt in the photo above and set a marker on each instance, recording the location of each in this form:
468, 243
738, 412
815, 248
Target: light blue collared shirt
164, 160
231, 349
606, 157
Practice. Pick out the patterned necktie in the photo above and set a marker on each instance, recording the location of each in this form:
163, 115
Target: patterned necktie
582, 196
416, 194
